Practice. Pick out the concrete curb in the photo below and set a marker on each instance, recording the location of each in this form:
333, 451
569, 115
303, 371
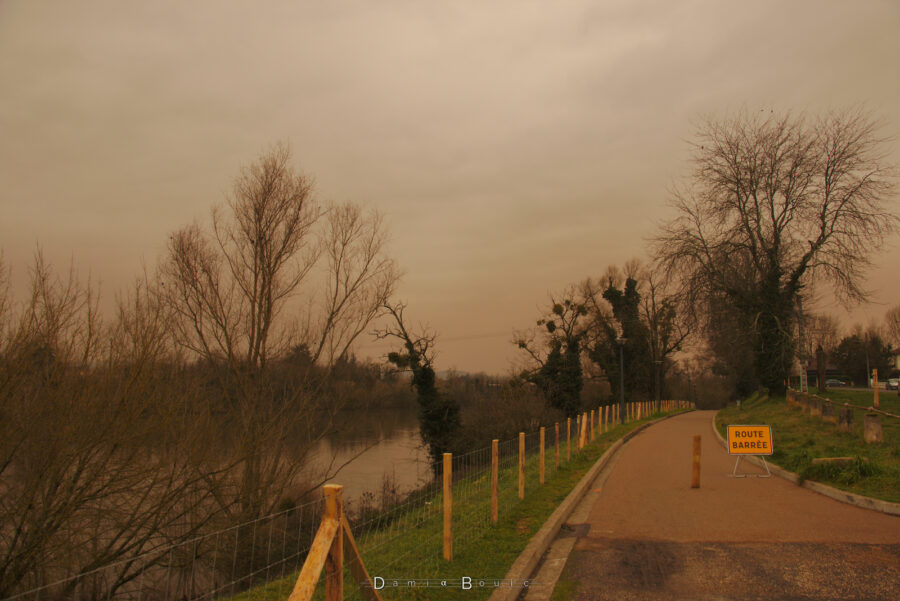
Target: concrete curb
524, 566
823, 489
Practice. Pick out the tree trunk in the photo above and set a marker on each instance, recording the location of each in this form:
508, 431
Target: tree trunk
774, 348
821, 376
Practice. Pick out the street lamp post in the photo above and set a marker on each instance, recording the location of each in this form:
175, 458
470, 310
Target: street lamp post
621, 342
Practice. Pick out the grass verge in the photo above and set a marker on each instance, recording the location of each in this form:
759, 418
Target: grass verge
799, 438
410, 548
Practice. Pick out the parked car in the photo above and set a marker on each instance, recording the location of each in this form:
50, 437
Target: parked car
834, 383
893, 384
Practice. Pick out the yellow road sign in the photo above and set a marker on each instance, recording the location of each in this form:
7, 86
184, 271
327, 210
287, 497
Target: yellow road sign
750, 440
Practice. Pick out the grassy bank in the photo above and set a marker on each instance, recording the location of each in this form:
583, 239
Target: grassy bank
800, 438
408, 546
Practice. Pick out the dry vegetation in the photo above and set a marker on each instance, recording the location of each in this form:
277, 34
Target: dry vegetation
192, 408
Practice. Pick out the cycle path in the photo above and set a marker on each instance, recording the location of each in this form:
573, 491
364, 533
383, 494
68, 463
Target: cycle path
648, 535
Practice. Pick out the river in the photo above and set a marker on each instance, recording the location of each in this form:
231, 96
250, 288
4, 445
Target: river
379, 445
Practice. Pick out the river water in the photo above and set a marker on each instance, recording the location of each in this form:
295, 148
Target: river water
379, 445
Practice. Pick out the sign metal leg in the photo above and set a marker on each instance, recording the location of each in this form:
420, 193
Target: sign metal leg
735, 474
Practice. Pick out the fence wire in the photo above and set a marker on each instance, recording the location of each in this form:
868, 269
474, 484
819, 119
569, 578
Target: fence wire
399, 535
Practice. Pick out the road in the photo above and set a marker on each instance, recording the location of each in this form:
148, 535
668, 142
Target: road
647, 535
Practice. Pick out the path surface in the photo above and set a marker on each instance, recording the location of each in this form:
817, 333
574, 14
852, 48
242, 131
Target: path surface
647, 535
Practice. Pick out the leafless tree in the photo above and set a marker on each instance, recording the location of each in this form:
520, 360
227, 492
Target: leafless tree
97, 464
668, 322
892, 325
818, 330
775, 203
229, 290
359, 280
817, 338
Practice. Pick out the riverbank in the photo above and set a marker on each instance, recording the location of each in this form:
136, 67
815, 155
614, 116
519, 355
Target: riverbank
405, 545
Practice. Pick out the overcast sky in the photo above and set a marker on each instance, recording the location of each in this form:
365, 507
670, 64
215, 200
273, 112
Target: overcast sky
514, 146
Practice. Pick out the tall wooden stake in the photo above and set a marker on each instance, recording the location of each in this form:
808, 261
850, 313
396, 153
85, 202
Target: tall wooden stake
542, 456
556, 427
495, 474
875, 383
448, 506
521, 465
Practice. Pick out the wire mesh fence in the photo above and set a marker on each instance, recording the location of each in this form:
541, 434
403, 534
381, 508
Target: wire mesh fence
221, 564
259, 560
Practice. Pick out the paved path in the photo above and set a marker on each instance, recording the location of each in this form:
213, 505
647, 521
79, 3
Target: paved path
647, 535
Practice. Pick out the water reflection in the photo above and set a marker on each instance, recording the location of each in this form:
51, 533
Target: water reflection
385, 443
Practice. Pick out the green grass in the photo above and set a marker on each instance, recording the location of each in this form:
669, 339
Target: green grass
564, 589
410, 544
799, 438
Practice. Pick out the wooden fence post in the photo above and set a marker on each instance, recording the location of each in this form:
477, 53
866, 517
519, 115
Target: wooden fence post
334, 562
578, 419
592, 425
875, 385
568, 439
556, 427
495, 471
448, 506
521, 465
695, 469
583, 436
542, 456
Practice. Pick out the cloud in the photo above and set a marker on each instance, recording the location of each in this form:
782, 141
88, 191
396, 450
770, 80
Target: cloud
515, 146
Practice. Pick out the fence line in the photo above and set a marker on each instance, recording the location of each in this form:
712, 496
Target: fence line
817, 406
265, 554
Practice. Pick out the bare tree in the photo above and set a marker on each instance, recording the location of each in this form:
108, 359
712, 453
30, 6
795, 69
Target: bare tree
817, 339
774, 204
668, 322
229, 288
97, 464
359, 280
229, 291
892, 325
818, 330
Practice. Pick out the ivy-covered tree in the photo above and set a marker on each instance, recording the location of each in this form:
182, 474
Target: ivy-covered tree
439, 419
617, 318
554, 353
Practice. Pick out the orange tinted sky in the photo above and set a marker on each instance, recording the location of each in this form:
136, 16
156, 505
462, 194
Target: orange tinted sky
515, 146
